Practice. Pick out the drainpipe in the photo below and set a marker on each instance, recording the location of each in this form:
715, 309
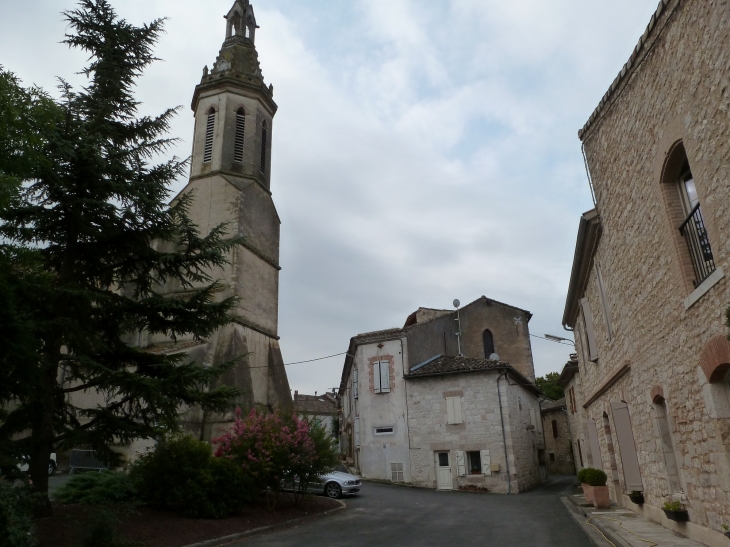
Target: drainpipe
504, 436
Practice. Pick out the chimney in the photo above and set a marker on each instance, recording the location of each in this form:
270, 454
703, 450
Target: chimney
296, 393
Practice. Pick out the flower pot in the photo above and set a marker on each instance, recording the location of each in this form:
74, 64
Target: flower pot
681, 515
587, 491
601, 497
637, 498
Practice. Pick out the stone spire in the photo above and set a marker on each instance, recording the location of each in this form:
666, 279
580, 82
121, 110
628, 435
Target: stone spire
238, 58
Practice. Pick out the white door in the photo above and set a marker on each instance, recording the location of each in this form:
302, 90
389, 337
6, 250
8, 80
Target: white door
443, 471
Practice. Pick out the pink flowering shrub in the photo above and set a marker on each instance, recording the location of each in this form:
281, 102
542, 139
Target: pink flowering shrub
270, 448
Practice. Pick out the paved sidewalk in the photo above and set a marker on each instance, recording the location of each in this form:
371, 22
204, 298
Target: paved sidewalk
624, 528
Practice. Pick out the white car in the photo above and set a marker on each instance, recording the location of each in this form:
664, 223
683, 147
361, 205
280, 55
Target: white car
52, 463
337, 483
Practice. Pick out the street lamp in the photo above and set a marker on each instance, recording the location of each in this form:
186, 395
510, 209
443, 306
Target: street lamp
558, 339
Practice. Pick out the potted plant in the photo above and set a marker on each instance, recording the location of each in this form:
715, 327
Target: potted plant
637, 497
593, 482
675, 511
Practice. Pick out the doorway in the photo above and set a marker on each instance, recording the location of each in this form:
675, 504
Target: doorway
443, 471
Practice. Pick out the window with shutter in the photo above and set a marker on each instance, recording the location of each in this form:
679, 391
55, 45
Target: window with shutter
555, 429
238, 140
590, 333
357, 432
486, 462
453, 410
604, 303
460, 463
384, 376
376, 376
354, 383
209, 134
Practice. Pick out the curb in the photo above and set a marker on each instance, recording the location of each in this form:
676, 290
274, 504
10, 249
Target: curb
233, 537
582, 516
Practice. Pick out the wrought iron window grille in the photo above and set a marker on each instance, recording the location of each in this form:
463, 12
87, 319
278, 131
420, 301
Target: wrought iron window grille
695, 234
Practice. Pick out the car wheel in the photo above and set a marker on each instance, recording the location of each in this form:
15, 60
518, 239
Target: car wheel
51, 467
332, 490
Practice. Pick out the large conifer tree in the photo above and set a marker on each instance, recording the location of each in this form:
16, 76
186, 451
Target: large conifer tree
86, 244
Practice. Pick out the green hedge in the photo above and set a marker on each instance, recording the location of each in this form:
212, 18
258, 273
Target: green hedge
593, 477
182, 474
16, 516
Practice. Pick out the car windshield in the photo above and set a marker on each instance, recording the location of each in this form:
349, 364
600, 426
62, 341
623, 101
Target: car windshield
342, 468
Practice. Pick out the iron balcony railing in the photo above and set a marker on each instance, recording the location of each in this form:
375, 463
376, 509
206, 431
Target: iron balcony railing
694, 233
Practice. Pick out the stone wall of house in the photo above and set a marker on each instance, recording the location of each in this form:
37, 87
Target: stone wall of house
481, 430
559, 449
525, 437
677, 89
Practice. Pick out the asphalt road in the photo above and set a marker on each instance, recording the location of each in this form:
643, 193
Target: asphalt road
394, 515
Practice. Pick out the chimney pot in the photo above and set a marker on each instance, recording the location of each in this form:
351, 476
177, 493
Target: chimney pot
296, 393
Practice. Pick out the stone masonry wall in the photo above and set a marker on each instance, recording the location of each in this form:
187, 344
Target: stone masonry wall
559, 450
681, 90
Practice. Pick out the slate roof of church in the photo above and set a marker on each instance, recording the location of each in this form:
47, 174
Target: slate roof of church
454, 364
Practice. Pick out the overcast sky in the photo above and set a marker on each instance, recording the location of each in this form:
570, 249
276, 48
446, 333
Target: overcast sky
422, 151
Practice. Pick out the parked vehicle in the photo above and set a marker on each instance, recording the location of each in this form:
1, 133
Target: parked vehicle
339, 482
52, 464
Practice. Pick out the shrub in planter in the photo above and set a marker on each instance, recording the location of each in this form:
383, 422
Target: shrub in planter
674, 511
16, 516
593, 482
182, 474
637, 497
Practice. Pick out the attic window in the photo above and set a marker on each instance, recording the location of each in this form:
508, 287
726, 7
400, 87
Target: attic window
384, 430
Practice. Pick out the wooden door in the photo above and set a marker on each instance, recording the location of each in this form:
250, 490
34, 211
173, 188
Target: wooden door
443, 471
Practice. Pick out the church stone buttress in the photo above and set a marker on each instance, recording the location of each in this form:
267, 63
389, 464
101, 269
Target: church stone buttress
230, 181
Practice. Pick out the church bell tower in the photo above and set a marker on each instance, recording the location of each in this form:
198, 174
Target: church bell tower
230, 177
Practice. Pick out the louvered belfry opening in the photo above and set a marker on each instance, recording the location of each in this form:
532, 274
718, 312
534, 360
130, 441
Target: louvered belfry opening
264, 136
238, 141
209, 132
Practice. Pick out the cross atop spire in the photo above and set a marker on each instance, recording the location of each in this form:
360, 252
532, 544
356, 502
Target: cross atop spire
241, 20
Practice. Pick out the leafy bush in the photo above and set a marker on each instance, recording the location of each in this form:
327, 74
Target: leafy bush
103, 488
16, 516
593, 477
270, 448
323, 458
182, 474
672, 505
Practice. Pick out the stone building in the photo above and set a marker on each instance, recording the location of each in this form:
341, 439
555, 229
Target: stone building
558, 441
415, 411
648, 292
323, 408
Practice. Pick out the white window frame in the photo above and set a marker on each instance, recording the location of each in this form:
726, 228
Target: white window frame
397, 473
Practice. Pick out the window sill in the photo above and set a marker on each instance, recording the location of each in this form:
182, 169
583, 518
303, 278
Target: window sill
705, 286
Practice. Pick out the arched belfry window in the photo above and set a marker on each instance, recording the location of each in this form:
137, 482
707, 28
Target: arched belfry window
488, 340
264, 137
209, 133
238, 140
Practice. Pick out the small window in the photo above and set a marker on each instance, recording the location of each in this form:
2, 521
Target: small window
209, 134
453, 410
443, 459
488, 341
396, 472
693, 228
474, 461
552, 457
555, 429
384, 430
264, 137
238, 141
